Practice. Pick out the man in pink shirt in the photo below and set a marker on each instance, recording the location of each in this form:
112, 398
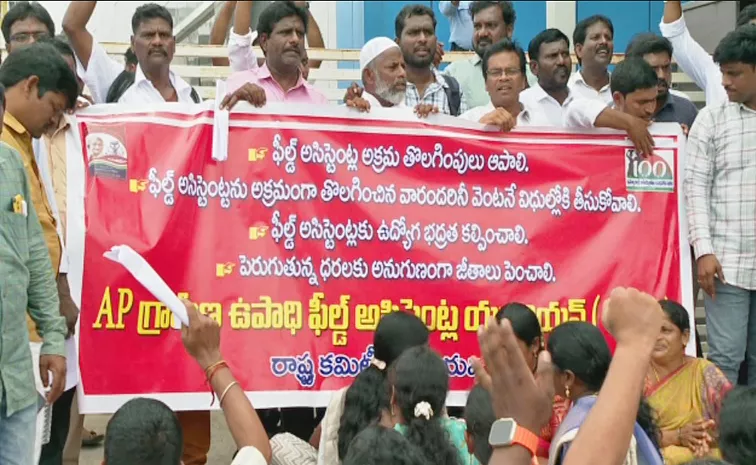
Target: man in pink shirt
281, 30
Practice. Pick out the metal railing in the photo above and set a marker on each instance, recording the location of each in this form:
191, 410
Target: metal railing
338, 66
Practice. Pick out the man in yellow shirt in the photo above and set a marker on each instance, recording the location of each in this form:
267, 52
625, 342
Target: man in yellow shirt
40, 87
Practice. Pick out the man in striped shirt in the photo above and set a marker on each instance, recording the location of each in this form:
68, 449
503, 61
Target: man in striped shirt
720, 192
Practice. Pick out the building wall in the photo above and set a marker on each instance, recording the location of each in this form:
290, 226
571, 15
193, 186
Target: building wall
368, 19
709, 22
348, 24
106, 28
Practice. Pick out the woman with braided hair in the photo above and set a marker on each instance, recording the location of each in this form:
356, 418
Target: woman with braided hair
419, 385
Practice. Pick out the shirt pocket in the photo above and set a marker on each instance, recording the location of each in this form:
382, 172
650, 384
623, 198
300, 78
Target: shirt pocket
14, 230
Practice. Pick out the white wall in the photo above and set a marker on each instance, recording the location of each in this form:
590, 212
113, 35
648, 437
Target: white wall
111, 21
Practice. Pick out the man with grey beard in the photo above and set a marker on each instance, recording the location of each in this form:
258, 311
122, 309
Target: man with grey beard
384, 76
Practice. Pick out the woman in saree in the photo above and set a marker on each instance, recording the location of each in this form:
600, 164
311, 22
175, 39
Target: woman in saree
685, 392
527, 329
581, 359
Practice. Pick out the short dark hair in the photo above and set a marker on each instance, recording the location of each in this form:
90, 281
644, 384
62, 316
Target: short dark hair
130, 57
23, 10
479, 418
2, 96
150, 11
737, 426
377, 445
277, 11
738, 46
62, 46
43, 60
647, 42
633, 74
581, 29
143, 432
547, 36
409, 11
524, 322
507, 10
746, 15
120, 85
504, 45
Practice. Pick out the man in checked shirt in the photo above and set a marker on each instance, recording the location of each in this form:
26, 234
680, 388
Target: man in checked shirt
720, 192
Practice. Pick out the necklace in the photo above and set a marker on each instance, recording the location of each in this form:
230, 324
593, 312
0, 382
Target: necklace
656, 373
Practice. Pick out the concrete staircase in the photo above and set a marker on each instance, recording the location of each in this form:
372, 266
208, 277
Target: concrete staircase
700, 322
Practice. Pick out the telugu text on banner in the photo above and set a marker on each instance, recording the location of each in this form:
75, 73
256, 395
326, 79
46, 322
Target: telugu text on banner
316, 226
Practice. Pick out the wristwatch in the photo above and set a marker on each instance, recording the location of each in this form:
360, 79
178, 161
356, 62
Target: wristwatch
505, 432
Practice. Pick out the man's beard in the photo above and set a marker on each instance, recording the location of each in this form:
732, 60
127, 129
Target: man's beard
480, 49
416, 62
387, 93
663, 90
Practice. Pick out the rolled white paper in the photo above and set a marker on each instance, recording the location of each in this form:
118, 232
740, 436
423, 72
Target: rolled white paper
148, 277
220, 124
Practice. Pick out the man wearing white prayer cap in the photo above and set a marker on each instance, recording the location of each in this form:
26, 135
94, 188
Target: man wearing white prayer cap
384, 77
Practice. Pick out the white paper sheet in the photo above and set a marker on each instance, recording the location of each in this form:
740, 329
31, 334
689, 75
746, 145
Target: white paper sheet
220, 124
148, 277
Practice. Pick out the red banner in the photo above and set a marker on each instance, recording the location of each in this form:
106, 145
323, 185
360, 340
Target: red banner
316, 226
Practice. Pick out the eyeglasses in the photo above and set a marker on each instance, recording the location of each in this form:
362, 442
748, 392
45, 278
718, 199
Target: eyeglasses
509, 72
25, 37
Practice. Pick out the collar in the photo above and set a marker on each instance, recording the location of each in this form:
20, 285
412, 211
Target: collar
476, 60
11, 121
179, 84
540, 93
741, 106
439, 77
264, 73
578, 77
669, 102
63, 125
524, 114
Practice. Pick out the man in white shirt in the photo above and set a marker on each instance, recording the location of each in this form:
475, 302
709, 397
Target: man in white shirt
153, 44
594, 47
504, 72
692, 59
551, 62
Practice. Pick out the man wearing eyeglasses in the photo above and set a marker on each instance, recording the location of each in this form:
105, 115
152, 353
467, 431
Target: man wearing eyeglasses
26, 23
504, 73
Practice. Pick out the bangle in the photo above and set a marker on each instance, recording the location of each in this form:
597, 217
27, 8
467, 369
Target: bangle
225, 391
214, 369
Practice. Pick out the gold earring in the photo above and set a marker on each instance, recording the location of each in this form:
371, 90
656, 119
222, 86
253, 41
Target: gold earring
567, 391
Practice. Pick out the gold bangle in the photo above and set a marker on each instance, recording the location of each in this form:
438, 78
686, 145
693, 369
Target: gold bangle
225, 391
